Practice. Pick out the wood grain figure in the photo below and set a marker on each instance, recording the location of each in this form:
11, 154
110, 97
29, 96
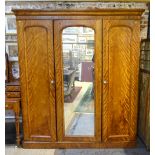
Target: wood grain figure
117, 38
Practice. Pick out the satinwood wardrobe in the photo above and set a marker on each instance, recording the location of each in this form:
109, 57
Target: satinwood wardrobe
43, 36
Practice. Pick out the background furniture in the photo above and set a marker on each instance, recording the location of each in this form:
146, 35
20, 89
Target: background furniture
70, 85
6, 68
12, 102
116, 76
12, 92
144, 94
67, 76
86, 74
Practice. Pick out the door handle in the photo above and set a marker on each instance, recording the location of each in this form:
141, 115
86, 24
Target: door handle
52, 82
105, 82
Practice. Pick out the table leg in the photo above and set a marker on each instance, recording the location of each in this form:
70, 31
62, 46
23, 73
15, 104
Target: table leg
17, 128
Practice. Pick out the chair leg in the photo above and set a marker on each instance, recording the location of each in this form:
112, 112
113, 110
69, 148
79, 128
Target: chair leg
74, 85
70, 96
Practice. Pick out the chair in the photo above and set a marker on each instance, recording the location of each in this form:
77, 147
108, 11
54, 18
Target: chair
68, 90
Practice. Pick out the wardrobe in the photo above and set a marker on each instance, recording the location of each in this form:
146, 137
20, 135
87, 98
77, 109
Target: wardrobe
43, 60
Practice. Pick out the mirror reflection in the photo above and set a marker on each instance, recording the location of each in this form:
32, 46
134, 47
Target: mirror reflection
78, 74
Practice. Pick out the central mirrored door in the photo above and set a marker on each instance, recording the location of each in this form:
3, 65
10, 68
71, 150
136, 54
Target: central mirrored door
78, 79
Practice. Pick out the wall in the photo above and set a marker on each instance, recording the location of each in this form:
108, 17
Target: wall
81, 5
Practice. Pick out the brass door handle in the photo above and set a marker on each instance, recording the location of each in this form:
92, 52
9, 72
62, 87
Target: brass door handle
105, 82
52, 82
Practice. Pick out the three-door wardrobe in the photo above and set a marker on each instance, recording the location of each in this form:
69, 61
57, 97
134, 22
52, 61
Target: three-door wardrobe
79, 77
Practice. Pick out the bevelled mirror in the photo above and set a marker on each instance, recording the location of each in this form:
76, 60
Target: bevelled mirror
78, 81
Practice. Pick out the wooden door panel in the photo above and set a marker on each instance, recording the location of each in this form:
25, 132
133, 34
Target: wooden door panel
38, 80
119, 81
59, 25
121, 72
37, 71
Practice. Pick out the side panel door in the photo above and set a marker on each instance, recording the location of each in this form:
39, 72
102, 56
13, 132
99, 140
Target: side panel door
36, 59
120, 78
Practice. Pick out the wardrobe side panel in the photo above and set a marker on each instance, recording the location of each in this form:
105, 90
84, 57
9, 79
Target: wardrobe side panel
37, 70
121, 71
